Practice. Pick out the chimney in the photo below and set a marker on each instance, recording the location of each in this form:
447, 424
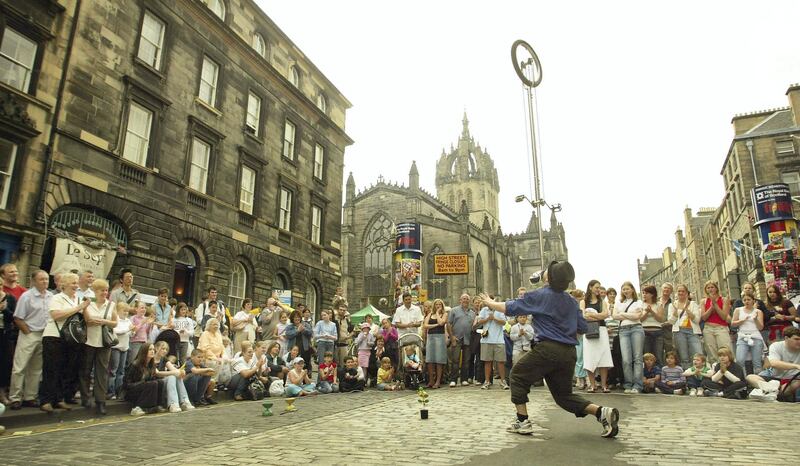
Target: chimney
794, 102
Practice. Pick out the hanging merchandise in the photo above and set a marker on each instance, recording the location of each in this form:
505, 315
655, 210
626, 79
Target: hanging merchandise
778, 232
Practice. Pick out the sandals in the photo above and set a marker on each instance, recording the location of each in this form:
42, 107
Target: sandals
606, 390
591, 390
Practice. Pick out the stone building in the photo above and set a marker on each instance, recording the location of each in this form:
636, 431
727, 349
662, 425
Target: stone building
763, 151
197, 139
462, 218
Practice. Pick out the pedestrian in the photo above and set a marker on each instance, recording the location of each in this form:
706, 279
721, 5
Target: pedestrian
672, 379
184, 325
580, 373
140, 329
459, 354
685, 318
142, 387
615, 375
118, 360
435, 324
651, 374
219, 311
727, 378
214, 311
164, 313
126, 293
631, 337
389, 335
325, 335
666, 326
493, 347
268, 319
696, 374
30, 317
9, 296
521, 333
99, 314
596, 351
749, 341
653, 316
243, 324
715, 313
298, 381
747, 287
558, 320
328, 381
177, 396
365, 341
275, 362
783, 313
408, 317
344, 327
300, 334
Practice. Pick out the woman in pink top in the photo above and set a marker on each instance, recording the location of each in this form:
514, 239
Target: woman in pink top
389, 335
715, 313
140, 328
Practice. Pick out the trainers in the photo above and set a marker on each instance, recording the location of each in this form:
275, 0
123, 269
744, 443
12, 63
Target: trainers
476, 382
609, 417
678, 391
627, 391
658, 390
504, 385
137, 411
186, 406
173, 408
465, 384
635, 391
521, 427
485, 386
756, 394
452, 384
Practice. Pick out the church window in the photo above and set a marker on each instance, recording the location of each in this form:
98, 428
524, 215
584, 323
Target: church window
478, 274
452, 200
436, 284
378, 244
469, 199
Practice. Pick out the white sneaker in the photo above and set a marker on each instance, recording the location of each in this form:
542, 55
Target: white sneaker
678, 391
452, 384
137, 411
465, 384
635, 391
186, 406
772, 386
609, 417
627, 391
693, 392
525, 427
173, 408
504, 385
485, 386
476, 382
757, 394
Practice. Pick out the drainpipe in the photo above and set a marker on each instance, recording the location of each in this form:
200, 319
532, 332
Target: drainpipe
749, 144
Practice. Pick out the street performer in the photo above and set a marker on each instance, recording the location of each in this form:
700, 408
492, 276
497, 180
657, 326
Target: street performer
558, 321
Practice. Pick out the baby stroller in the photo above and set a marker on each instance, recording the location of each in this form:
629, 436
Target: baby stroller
411, 378
173, 339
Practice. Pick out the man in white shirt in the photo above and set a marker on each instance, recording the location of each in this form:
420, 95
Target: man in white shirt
204, 309
784, 360
84, 285
407, 318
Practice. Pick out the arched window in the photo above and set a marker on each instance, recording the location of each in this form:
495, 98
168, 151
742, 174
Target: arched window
294, 76
259, 44
218, 7
469, 199
238, 286
312, 300
452, 200
436, 284
281, 281
322, 102
378, 244
478, 274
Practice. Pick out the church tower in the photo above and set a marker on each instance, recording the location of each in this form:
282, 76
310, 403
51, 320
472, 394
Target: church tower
467, 174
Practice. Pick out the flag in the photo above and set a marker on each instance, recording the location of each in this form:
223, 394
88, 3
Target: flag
737, 246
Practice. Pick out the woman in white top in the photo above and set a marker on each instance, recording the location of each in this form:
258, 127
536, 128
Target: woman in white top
596, 351
684, 315
60, 361
631, 337
95, 356
244, 324
653, 316
749, 340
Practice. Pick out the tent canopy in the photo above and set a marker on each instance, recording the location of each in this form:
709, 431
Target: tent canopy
359, 316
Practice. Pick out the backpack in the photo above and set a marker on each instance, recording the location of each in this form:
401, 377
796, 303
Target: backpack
276, 388
256, 389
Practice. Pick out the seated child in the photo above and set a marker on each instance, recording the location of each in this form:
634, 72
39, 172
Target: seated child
297, 381
385, 375
352, 378
412, 366
328, 378
727, 378
651, 374
672, 379
198, 377
696, 374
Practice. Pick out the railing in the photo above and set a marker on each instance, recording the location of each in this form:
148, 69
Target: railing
132, 173
247, 220
197, 200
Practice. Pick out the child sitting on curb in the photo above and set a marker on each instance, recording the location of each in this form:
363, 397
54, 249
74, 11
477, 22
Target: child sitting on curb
352, 378
672, 379
696, 374
328, 378
651, 373
385, 376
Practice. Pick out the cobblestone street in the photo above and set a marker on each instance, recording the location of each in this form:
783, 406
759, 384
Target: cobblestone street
466, 425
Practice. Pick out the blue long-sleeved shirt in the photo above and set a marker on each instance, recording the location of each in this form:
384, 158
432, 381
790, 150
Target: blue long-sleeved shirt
557, 315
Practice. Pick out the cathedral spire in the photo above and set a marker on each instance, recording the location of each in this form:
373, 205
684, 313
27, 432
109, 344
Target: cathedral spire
413, 176
465, 124
350, 189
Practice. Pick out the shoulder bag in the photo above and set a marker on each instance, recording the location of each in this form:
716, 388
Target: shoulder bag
110, 339
74, 329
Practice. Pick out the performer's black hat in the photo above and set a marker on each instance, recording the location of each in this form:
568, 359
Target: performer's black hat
560, 274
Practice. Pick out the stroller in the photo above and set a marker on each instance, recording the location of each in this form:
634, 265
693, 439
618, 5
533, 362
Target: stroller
412, 378
173, 339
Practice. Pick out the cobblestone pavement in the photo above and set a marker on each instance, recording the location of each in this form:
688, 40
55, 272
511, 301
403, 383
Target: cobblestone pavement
465, 425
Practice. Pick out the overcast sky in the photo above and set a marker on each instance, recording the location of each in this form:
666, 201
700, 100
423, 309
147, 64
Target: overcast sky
634, 107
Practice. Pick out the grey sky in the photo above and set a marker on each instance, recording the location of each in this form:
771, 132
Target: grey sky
634, 108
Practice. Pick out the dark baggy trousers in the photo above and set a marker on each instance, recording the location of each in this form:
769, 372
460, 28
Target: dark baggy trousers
555, 363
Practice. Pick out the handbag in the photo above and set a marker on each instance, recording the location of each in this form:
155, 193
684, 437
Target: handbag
73, 331
592, 330
256, 388
110, 339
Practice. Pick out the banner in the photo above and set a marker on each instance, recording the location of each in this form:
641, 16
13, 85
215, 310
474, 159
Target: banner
772, 202
408, 238
450, 264
75, 257
284, 296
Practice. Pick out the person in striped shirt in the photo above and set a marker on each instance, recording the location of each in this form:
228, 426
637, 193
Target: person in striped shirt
672, 378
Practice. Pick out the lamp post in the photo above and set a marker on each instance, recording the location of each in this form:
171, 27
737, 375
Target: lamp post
538, 205
529, 72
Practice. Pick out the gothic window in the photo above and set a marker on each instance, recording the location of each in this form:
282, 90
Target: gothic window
378, 243
238, 286
436, 284
473, 165
460, 197
452, 200
478, 274
469, 199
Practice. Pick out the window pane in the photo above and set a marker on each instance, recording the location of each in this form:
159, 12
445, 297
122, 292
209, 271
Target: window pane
137, 135
218, 7
247, 191
285, 214
253, 113
198, 174
288, 140
319, 160
8, 156
238, 286
259, 45
294, 76
17, 54
208, 81
316, 220
151, 40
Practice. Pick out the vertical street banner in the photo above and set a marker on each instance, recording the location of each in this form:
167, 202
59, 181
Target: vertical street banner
777, 229
71, 256
408, 260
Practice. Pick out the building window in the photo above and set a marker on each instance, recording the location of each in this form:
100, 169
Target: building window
294, 76
316, 224
285, 214
478, 274
288, 140
253, 114
378, 247
17, 57
218, 7
151, 41
8, 157
319, 161
793, 180
437, 285
322, 102
208, 81
137, 134
260, 45
312, 300
785, 147
238, 287
247, 190
198, 174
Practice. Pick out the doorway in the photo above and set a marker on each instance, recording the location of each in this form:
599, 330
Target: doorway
183, 287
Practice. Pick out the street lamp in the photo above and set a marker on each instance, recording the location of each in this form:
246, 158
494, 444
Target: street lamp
538, 205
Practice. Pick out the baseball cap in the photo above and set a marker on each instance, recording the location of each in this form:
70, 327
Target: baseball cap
297, 360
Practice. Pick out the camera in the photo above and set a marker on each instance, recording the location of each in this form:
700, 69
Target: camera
535, 277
